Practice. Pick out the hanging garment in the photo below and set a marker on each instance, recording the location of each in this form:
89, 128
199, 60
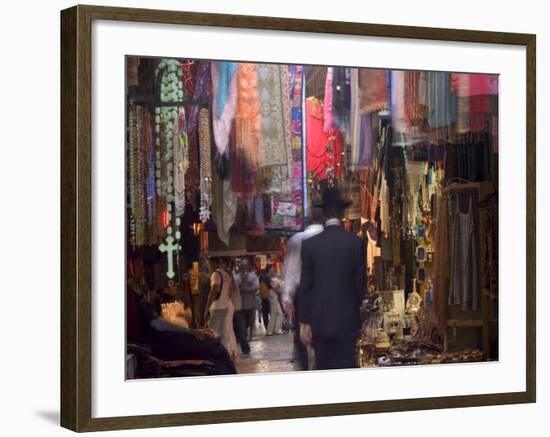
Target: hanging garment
248, 114
355, 116
463, 289
295, 155
328, 123
470, 160
442, 105
369, 200
416, 108
224, 206
226, 71
242, 178
324, 150
341, 98
296, 78
273, 143
373, 84
366, 143
286, 98
441, 263
460, 83
224, 90
400, 122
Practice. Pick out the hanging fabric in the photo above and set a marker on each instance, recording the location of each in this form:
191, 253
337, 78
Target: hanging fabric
328, 109
373, 89
273, 144
324, 150
400, 122
248, 118
224, 89
355, 118
463, 288
442, 105
341, 82
224, 206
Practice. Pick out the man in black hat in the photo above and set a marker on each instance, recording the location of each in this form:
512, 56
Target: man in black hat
332, 286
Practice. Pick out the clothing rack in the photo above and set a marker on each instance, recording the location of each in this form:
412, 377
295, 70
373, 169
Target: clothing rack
456, 185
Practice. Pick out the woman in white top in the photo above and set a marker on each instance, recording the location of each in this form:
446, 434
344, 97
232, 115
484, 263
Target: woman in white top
220, 307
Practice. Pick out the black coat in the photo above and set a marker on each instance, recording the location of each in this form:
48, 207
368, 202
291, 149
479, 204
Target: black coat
332, 283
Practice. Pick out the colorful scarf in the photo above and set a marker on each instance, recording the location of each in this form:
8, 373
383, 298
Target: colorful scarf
248, 117
226, 72
328, 123
273, 149
224, 92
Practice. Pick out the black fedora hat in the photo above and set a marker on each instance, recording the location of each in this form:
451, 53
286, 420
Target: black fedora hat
333, 198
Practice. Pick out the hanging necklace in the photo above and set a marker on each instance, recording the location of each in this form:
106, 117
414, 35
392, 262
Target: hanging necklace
132, 145
140, 213
205, 165
181, 164
168, 118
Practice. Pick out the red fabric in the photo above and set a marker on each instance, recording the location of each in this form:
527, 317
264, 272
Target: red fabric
318, 158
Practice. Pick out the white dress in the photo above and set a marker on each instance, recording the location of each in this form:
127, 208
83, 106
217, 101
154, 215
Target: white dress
221, 313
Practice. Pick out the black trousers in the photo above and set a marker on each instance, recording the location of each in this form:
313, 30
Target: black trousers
300, 351
266, 308
239, 326
204, 290
334, 353
249, 316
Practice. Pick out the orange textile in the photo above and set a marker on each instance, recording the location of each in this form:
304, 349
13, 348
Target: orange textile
248, 117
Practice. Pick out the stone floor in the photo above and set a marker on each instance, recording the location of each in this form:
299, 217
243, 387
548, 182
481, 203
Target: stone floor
268, 354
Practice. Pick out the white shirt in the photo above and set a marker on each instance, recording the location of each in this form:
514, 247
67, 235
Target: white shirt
292, 268
333, 222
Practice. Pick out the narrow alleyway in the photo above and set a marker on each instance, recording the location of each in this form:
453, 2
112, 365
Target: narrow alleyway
268, 354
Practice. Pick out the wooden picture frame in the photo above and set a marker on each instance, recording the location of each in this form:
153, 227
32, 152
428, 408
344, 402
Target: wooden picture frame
76, 222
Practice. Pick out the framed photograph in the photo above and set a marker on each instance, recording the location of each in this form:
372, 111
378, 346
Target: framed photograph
217, 174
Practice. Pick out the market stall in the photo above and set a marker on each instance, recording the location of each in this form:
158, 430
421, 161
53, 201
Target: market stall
227, 158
